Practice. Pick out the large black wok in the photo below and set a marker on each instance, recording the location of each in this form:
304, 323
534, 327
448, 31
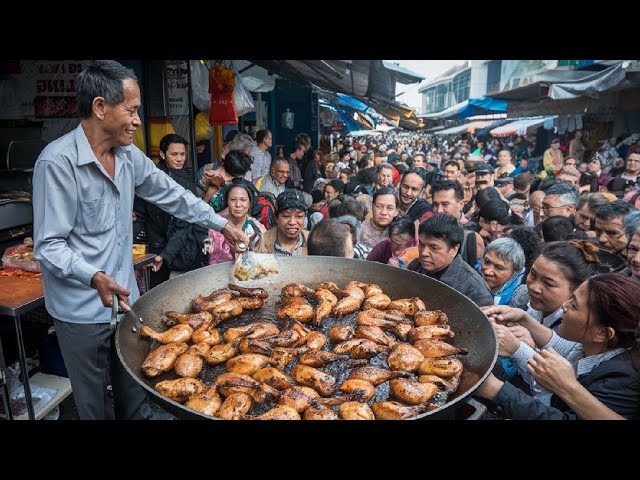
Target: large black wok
472, 329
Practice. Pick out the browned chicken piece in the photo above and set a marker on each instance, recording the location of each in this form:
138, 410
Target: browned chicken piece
430, 317
375, 375
221, 353
333, 288
408, 306
356, 411
375, 334
253, 330
273, 377
373, 319
320, 381
441, 383
235, 406
249, 292
379, 301
299, 327
296, 290
412, 392
340, 334
194, 320
285, 338
281, 412
352, 302
367, 349
207, 402
395, 316
162, 359
398, 411
405, 358
436, 348
229, 383
325, 303
428, 332
250, 303
180, 390
283, 356
207, 334
201, 303
344, 348
225, 310
295, 307
313, 341
247, 364
442, 367
358, 390
299, 398
190, 363
179, 333
318, 412
266, 345
255, 345
319, 358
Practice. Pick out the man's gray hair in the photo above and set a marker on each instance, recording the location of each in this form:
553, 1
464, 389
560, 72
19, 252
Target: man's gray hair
632, 224
101, 78
509, 250
567, 193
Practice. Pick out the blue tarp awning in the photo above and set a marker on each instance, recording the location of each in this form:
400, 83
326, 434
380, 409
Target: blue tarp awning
352, 102
482, 106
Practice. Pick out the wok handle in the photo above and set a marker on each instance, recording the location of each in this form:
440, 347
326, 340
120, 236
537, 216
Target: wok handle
114, 314
479, 409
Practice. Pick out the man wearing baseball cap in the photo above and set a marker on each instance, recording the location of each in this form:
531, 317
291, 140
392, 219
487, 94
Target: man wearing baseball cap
484, 176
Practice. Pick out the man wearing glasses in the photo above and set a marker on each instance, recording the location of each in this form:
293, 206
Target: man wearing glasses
560, 199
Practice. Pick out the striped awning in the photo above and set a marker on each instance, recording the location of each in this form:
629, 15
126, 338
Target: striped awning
467, 127
518, 127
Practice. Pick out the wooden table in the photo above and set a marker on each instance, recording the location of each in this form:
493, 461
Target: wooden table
19, 296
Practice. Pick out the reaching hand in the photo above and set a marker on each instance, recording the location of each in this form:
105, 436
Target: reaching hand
106, 287
157, 263
235, 236
504, 314
522, 334
507, 341
552, 371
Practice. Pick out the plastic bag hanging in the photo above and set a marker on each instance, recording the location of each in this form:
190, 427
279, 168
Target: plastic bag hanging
287, 119
241, 96
221, 85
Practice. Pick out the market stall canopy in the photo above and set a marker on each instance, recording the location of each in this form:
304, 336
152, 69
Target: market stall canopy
365, 133
467, 127
482, 106
519, 127
613, 78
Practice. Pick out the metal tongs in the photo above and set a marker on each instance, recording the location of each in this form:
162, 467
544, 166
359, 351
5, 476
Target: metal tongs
115, 312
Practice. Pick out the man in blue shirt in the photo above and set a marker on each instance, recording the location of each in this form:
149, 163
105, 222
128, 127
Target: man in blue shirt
83, 189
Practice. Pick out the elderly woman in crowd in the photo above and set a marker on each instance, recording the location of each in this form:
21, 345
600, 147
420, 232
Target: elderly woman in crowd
590, 366
503, 268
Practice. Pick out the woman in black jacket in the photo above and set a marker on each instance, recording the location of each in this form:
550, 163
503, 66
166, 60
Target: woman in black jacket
600, 338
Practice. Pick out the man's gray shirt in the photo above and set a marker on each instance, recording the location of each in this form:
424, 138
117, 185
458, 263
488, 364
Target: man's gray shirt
82, 221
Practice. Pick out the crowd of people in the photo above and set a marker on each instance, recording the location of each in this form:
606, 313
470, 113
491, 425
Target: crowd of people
547, 245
